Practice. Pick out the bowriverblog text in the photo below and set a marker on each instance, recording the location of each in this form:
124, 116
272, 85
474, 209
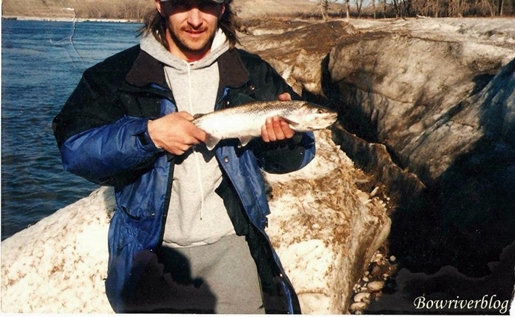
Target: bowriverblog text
487, 302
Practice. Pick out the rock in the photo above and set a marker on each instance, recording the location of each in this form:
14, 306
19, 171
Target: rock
376, 270
357, 307
375, 286
362, 297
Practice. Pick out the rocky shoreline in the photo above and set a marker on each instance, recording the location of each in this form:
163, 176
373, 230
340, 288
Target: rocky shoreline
68, 19
370, 286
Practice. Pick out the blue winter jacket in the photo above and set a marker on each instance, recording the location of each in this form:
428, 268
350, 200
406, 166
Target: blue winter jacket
102, 135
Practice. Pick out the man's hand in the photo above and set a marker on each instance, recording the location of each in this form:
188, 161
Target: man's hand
175, 133
276, 128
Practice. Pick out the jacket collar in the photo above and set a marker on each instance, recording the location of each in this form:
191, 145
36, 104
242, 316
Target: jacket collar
147, 70
233, 72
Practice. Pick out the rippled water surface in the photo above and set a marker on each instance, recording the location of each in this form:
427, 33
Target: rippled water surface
41, 64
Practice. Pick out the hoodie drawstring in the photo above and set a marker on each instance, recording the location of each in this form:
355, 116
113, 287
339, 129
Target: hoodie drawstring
195, 153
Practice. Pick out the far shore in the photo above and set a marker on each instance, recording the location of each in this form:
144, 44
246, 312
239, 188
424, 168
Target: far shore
68, 19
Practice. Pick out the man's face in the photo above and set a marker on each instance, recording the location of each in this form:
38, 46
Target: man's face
191, 26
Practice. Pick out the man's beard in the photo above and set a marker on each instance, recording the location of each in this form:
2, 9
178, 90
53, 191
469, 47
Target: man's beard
193, 46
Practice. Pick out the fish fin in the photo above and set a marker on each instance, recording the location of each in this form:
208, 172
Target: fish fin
211, 141
244, 140
291, 122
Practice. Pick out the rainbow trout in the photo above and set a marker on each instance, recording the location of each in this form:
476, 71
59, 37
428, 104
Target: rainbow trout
244, 122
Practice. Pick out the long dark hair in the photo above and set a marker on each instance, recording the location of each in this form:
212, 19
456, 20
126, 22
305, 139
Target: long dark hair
156, 24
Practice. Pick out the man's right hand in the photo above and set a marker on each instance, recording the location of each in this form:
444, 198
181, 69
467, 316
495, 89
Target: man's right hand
175, 133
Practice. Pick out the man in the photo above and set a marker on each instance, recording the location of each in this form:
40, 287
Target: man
188, 234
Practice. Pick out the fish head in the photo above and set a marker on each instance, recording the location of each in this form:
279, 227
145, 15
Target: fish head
310, 117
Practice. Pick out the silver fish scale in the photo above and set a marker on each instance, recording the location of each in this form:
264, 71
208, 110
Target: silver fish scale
257, 108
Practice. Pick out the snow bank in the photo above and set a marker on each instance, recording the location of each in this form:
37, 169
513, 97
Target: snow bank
59, 264
325, 230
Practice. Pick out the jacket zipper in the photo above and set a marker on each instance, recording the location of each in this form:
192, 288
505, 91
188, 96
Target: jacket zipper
168, 195
166, 206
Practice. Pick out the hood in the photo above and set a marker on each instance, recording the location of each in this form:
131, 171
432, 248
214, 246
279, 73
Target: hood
155, 49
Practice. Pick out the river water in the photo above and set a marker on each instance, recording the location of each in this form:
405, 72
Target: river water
42, 62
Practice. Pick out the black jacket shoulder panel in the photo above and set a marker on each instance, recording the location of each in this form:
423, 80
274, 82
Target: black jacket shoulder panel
94, 102
114, 68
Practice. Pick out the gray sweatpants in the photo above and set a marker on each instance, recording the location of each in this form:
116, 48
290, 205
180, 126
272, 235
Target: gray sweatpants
217, 278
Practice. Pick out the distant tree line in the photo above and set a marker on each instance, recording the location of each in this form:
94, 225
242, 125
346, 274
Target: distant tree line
136, 9
413, 8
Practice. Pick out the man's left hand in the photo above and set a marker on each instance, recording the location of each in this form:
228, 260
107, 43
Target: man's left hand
276, 128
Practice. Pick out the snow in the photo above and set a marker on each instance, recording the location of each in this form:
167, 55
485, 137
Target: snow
59, 264
321, 224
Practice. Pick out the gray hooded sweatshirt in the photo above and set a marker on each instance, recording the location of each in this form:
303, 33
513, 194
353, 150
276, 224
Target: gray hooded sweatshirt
197, 215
